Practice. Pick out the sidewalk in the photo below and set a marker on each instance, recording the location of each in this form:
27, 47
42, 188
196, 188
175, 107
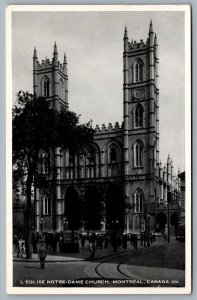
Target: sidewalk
84, 253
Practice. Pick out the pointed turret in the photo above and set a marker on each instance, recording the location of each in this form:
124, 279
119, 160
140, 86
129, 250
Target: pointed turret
125, 33
151, 34
65, 64
151, 27
126, 44
65, 59
35, 53
55, 48
156, 47
169, 169
55, 54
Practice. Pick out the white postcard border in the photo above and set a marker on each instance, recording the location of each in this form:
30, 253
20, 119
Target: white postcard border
9, 261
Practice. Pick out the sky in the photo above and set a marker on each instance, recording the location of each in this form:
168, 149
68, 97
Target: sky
93, 43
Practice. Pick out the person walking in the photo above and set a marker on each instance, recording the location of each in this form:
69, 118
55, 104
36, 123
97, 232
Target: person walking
20, 244
82, 242
92, 241
42, 255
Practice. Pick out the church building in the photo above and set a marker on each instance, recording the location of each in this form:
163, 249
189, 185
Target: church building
120, 181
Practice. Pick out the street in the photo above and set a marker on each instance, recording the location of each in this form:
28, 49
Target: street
160, 265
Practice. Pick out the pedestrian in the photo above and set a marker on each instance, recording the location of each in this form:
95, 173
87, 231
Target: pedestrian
23, 249
135, 241
60, 242
92, 241
119, 241
124, 241
54, 243
20, 244
42, 255
82, 241
152, 238
165, 237
15, 242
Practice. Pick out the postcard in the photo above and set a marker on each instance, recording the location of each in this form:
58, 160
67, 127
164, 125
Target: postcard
98, 132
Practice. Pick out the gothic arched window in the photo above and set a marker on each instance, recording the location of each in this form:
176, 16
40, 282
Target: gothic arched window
138, 154
138, 201
139, 116
113, 155
139, 70
45, 162
46, 205
136, 73
45, 86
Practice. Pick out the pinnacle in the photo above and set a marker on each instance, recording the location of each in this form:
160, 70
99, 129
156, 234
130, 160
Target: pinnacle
65, 60
35, 52
55, 47
125, 33
151, 27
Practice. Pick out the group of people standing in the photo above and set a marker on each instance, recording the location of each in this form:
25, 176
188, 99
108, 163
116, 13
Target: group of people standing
51, 242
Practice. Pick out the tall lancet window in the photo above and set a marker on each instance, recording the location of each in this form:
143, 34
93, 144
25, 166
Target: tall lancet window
138, 154
138, 201
46, 205
136, 73
45, 84
113, 155
139, 70
139, 116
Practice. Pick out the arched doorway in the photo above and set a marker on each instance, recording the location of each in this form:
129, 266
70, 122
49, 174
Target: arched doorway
72, 208
174, 219
93, 208
114, 206
161, 221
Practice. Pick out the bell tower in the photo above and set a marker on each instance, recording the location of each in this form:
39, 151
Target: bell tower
50, 79
141, 123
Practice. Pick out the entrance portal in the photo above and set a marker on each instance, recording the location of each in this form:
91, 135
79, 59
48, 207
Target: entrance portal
161, 221
72, 209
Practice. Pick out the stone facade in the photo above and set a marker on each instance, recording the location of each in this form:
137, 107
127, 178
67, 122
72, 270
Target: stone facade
120, 177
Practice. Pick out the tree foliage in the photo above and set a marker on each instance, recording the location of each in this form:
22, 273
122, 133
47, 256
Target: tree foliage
37, 127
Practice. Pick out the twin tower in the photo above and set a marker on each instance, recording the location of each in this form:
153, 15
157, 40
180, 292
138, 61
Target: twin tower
124, 158
50, 79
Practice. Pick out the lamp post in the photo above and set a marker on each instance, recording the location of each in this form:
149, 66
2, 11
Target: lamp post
148, 238
168, 221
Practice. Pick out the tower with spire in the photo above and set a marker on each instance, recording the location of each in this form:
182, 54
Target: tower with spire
141, 122
50, 79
